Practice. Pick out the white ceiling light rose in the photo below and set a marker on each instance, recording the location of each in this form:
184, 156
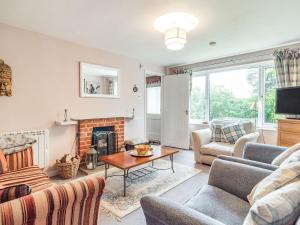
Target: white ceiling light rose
175, 26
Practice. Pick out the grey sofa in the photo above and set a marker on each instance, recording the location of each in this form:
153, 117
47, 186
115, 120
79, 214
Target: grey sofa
259, 155
222, 202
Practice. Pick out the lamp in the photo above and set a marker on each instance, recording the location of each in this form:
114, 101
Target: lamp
91, 158
175, 26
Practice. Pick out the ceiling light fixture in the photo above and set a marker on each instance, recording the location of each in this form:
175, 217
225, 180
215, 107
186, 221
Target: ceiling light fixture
175, 26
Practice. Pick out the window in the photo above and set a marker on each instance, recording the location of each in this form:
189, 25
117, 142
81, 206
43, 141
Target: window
199, 99
153, 100
230, 93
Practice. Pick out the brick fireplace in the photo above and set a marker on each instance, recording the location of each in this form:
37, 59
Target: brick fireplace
85, 129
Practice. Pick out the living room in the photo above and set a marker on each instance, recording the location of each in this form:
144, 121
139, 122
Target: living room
149, 112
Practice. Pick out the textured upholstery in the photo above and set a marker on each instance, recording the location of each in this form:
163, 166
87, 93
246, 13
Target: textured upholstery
223, 201
210, 201
206, 151
19, 160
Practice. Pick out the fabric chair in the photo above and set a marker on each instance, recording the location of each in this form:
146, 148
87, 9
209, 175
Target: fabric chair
222, 202
206, 151
259, 155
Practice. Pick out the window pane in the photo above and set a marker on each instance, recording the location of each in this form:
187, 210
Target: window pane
270, 92
233, 92
198, 99
153, 100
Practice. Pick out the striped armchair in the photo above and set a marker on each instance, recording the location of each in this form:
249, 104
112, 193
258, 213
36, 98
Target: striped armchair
75, 203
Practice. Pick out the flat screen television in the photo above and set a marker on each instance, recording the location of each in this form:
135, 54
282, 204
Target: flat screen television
288, 100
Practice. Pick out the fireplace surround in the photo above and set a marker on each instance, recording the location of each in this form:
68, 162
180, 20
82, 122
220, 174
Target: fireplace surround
86, 127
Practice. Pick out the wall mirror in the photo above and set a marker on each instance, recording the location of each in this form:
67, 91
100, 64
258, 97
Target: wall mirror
99, 81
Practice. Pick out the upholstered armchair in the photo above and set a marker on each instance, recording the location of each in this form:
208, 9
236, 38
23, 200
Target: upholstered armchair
206, 150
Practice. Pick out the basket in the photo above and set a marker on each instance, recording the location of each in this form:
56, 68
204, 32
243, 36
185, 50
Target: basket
67, 170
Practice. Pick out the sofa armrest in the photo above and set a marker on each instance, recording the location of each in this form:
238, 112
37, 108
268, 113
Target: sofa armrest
249, 162
262, 152
240, 143
160, 211
201, 137
235, 178
75, 202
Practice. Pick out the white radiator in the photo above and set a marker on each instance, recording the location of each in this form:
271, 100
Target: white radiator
40, 147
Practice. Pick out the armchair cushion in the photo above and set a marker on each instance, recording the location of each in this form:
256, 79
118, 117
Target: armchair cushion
219, 205
217, 134
217, 148
279, 207
3, 163
284, 155
232, 132
13, 192
279, 178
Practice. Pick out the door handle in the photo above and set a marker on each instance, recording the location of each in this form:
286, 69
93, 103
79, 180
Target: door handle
186, 112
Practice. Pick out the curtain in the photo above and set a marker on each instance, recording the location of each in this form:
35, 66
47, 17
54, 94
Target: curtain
153, 81
287, 65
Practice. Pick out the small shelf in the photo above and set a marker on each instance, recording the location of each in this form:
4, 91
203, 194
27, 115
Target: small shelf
66, 123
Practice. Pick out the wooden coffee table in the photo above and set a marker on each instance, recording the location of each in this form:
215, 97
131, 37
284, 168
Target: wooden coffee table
125, 162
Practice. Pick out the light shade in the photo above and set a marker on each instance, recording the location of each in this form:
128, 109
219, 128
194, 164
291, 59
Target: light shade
175, 26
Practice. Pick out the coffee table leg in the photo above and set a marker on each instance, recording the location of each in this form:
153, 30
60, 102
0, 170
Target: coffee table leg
124, 176
171, 158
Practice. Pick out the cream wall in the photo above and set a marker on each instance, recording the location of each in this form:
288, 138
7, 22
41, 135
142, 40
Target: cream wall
46, 81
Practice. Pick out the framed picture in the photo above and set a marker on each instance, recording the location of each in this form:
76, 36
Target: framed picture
99, 81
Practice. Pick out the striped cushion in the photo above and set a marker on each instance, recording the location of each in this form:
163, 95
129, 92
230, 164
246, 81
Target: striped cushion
32, 176
13, 192
281, 207
19, 160
277, 179
3, 163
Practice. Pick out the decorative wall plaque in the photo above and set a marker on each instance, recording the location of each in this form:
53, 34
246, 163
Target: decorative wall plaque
5, 79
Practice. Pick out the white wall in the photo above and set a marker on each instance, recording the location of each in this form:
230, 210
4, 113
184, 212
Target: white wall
46, 81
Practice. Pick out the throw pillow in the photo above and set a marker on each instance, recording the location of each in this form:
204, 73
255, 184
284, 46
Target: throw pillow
277, 179
3, 163
295, 157
284, 155
217, 135
13, 192
232, 132
279, 207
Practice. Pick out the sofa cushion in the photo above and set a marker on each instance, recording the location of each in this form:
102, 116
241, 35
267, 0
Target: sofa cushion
216, 133
13, 192
220, 205
247, 125
277, 179
285, 154
233, 132
32, 176
3, 163
279, 207
217, 148
295, 157
19, 160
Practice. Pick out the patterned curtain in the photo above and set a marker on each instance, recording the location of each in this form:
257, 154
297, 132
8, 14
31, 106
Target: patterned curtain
153, 81
287, 65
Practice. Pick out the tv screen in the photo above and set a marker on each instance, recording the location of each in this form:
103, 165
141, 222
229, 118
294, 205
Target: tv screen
288, 100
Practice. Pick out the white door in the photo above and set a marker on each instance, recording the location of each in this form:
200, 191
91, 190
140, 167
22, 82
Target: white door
176, 92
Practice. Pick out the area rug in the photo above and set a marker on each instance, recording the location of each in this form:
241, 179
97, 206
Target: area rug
156, 183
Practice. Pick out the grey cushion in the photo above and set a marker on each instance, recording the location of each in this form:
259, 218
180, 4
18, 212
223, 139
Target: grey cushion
220, 205
217, 148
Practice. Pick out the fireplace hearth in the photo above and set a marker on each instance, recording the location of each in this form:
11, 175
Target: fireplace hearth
104, 140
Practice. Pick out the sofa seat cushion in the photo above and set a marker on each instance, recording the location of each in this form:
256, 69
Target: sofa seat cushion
217, 148
33, 176
220, 205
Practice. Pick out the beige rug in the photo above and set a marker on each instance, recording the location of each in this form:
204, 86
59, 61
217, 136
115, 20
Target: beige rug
113, 202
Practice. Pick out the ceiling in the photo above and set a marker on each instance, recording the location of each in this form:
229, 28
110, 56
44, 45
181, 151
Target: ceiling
126, 26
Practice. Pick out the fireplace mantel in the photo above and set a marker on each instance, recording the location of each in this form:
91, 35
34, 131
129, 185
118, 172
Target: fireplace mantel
100, 117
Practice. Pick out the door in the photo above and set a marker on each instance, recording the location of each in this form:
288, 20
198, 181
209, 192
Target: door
176, 92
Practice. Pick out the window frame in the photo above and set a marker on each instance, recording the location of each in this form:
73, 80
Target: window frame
262, 66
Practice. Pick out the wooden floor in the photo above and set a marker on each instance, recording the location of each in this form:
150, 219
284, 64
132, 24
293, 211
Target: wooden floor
180, 193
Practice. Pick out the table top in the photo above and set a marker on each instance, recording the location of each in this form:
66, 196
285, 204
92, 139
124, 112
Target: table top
123, 160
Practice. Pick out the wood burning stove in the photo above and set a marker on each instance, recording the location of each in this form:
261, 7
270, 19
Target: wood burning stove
104, 140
